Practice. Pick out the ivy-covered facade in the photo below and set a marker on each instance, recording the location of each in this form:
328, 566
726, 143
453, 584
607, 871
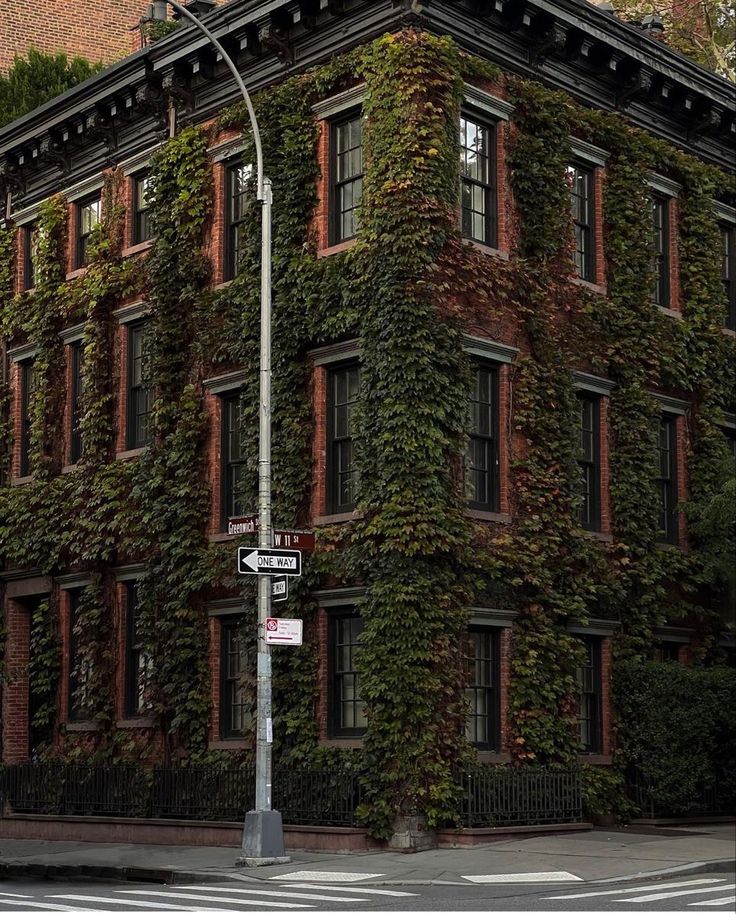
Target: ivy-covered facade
503, 392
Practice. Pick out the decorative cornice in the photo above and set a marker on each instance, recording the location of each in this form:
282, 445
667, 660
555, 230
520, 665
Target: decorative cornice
336, 352
492, 617
671, 404
129, 572
338, 104
23, 353
72, 334
225, 383
592, 383
73, 581
489, 349
228, 607
487, 103
133, 312
588, 152
227, 150
338, 596
664, 185
723, 212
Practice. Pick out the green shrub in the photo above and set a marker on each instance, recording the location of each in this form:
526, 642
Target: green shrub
604, 793
677, 733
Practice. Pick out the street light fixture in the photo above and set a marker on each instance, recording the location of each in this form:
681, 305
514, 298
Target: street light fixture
263, 834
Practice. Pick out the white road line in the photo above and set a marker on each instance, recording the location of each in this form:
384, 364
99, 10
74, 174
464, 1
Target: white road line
524, 877
663, 896
123, 901
274, 893
324, 876
218, 898
364, 890
14, 895
731, 899
638, 888
37, 904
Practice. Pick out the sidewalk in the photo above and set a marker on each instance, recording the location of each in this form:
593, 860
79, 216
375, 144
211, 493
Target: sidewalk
591, 856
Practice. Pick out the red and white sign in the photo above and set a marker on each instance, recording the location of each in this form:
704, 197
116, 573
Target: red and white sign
283, 631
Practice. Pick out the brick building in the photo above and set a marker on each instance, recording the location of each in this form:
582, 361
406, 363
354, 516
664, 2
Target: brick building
112, 125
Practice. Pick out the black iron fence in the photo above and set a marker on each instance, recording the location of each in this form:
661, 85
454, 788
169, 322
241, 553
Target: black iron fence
657, 799
494, 796
490, 795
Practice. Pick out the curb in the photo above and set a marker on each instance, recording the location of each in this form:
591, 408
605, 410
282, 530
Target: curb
724, 865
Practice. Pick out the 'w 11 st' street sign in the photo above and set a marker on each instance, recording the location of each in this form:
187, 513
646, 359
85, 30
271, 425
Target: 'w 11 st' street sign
269, 561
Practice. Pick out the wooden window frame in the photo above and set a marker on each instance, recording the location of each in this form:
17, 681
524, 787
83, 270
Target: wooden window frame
75, 408
661, 229
74, 714
593, 464
227, 494
336, 676
82, 240
336, 213
333, 443
728, 271
233, 227
594, 710
132, 439
585, 231
30, 232
667, 533
141, 214
25, 386
490, 189
491, 642
132, 671
492, 440
228, 627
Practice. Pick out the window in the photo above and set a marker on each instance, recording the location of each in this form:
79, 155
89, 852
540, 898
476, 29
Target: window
88, 217
478, 180
728, 271
79, 670
347, 177
31, 256
344, 390
236, 700
481, 658
589, 682
75, 438
730, 436
589, 461
581, 182
139, 390
237, 181
233, 459
661, 250
481, 461
141, 220
668, 651
137, 663
348, 714
25, 377
667, 479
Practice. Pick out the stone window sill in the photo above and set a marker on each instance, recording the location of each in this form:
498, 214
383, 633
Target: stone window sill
728, 331
346, 743
595, 758
599, 535
82, 726
670, 312
596, 287
489, 516
70, 468
223, 537
325, 520
337, 248
222, 285
137, 248
135, 723
231, 744
21, 480
74, 274
486, 757
486, 249
133, 452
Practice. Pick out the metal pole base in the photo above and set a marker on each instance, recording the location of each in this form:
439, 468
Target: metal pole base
263, 839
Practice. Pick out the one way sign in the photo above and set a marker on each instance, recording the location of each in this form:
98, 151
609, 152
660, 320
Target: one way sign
269, 561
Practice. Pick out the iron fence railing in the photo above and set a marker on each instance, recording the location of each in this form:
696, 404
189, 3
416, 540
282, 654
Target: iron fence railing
655, 800
490, 795
494, 796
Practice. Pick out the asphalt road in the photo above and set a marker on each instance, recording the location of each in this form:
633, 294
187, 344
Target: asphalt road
694, 894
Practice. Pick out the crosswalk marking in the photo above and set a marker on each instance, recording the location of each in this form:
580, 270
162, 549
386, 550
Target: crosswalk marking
638, 888
363, 890
122, 901
524, 877
47, 906
663, 896
731, 899
14, 895
218, 898
324, 876
274, 893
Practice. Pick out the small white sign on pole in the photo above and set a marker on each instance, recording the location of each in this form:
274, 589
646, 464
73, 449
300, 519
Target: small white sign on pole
283, 631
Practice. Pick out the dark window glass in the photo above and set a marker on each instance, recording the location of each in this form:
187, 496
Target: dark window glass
589, 682
79, 671
233, 459
75, 443
141, 220
667, 651
236, 700
347, 178
730, 436
88, 217
31, 256
589, 461
481, 658
25, 373
478, 180
348, 713
481, 460
661, 250
583, 214
137, 662
237, 188
342, 476
140, 394
728, 271
667, 479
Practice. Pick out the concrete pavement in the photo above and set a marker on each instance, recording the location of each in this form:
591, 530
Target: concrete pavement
591, 856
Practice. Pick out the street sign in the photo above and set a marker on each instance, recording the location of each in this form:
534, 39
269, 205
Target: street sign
269, 561
279, 589
283, 631
282, 539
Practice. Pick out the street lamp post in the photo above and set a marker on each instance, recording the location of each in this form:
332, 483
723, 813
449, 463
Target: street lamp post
263, 835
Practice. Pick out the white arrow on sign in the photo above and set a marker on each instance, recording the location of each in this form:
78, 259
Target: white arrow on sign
269, 561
